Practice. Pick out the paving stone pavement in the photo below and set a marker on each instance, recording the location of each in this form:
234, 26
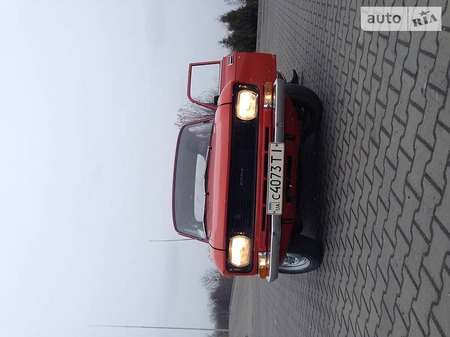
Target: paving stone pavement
383, 196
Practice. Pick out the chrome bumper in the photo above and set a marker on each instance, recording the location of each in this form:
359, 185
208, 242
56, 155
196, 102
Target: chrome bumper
275, 235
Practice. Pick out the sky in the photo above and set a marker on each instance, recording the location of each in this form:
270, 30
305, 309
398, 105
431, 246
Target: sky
89, 91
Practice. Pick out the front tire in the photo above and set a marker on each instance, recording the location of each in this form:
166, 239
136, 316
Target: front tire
304, 255
308, 107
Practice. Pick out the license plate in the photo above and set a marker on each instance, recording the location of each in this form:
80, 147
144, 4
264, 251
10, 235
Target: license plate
275, 170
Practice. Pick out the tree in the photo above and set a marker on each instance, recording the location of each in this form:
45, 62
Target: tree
242, 26
210, 279
235, 2
190, 111
219, 288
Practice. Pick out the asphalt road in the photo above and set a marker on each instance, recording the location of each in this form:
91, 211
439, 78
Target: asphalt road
381, 204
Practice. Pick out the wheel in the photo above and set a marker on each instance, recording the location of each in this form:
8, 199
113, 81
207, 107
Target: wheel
304, 255
308, 106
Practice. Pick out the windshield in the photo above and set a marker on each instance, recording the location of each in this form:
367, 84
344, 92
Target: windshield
189, 179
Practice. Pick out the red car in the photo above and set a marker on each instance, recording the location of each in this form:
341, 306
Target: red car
235, 174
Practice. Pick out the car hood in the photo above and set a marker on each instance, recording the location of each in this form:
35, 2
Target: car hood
218, 177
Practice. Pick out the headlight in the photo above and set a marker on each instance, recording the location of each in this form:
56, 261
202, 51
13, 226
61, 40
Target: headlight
246, 105
239, 251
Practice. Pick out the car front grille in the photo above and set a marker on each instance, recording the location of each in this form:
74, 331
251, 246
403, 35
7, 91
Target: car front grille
242, 184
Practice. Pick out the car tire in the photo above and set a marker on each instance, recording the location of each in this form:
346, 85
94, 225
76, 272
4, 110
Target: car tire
308, 106
304, 255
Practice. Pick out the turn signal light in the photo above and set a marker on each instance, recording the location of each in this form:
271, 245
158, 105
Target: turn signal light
263, 265
268, 92
263, 272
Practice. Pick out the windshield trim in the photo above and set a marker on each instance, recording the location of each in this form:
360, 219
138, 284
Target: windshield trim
208, 153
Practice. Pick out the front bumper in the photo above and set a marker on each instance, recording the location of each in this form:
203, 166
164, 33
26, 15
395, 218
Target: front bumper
275, 235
